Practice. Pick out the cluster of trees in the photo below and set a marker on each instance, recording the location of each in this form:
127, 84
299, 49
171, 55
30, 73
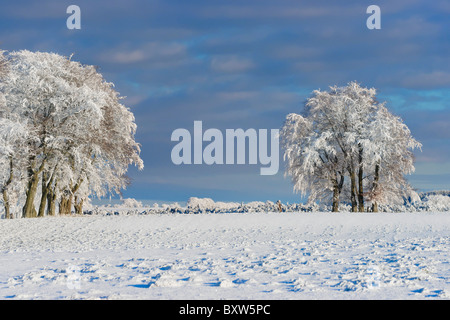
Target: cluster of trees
347, 146
64, 134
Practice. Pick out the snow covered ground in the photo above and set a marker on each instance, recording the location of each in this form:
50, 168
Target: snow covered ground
227, 256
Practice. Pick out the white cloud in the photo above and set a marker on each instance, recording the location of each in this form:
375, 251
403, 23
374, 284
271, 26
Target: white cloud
428, 80
128, 56
150, 51
231, 64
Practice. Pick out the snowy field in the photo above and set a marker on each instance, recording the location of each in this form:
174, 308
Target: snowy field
227, 256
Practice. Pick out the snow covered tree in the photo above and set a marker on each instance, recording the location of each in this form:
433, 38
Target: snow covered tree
337, 121
13, 134
360, 106
313, 161
80, 138
388, 154
342, 138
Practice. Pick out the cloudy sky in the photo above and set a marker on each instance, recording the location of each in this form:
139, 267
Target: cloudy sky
247, 64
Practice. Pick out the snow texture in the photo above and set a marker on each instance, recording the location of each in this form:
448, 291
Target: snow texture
296, 255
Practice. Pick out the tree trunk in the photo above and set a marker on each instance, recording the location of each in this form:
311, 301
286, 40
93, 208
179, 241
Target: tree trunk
78, 205
360, 183
51, 202
353, 190
337, 188
65, 205
335, 197
62, 205
29, 211
6, 204
375, 186
375, 207
46, 190
5, 190
44, 194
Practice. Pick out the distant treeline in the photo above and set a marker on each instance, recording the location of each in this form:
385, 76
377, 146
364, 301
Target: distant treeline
432, 201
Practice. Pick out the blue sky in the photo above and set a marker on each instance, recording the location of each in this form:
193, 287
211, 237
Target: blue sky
247, 64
